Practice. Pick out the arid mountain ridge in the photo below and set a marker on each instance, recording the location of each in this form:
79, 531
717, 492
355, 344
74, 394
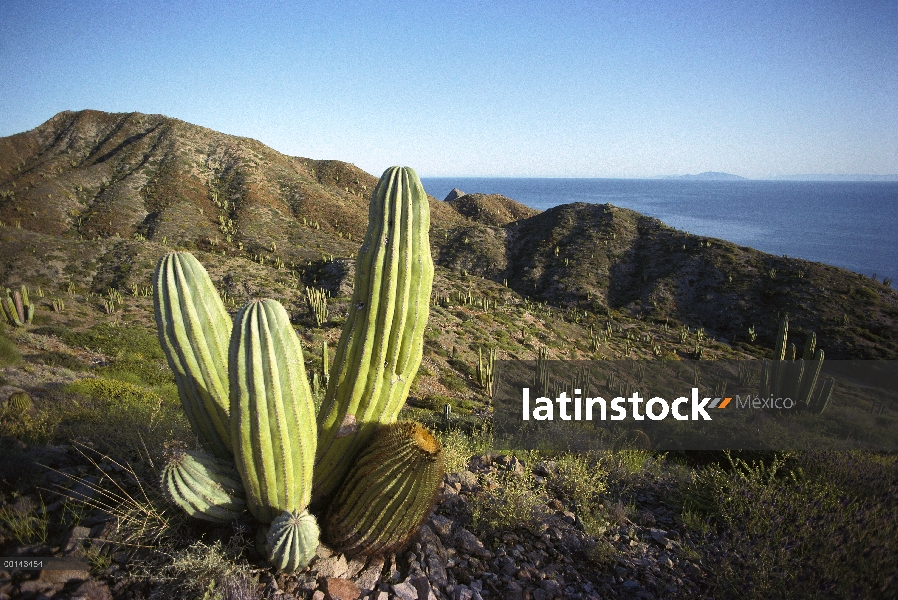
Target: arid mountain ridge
109, 188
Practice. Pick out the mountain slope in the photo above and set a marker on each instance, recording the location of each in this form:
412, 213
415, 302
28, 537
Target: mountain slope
95, 198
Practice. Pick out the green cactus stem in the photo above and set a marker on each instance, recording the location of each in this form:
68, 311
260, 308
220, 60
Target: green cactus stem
194, 331
316, 299
272, 413
485, 370
17, 308
382, 341
206, 487
389, 491
292, 540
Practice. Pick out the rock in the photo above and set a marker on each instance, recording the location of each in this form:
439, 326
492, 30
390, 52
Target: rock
368, 579
462, 592
354, 567
339, 589
513, 591
334, 566
545, 468
63, 576
468, 543
38, 586
91, 590
551, 588
318, 595
440, 524
73, 543
405, 591
454, 195
422, 585
380, 596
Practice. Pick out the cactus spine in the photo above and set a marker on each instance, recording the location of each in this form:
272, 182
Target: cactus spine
382, 341
388, 492
272, 414
292, 540
206, 487
194, 330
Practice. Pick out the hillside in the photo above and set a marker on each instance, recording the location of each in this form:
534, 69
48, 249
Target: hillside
121, 188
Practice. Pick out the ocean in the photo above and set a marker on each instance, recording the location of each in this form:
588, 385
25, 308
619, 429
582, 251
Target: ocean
847, 224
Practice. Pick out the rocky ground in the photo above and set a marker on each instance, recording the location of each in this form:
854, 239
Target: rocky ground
647, 557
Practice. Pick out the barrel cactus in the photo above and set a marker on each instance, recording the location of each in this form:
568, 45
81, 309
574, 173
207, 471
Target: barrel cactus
194, 331
292, 540
19, 403
272, 413
380, 348
389, 491
206, 487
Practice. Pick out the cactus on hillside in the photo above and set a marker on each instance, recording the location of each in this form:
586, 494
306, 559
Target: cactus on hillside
272, 413
194, 332
19, 403
389, 491
787, 376
17, 308
485, 375
381, 345
316, 300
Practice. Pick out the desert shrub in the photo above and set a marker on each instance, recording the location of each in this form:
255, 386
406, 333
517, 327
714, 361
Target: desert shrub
9, 354
453, 382
460, 445
819, 523
120, 416
508, 500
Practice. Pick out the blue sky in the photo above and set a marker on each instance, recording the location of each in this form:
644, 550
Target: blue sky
543, 89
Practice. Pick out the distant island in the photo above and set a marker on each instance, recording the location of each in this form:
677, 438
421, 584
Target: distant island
708, 176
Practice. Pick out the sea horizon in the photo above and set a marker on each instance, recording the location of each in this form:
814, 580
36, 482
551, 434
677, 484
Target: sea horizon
847, 224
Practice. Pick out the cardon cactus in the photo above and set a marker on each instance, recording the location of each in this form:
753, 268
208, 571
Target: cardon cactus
272, 413
194, 331
292, 540
206, 487
389, 491
382, 341
17, 308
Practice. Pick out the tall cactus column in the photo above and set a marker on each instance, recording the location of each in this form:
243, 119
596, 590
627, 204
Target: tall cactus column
272, 414
194, 331
382, 341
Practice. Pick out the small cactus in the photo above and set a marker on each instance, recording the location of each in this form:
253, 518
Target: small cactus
316, 299
206, 487
19, 403
292, 540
